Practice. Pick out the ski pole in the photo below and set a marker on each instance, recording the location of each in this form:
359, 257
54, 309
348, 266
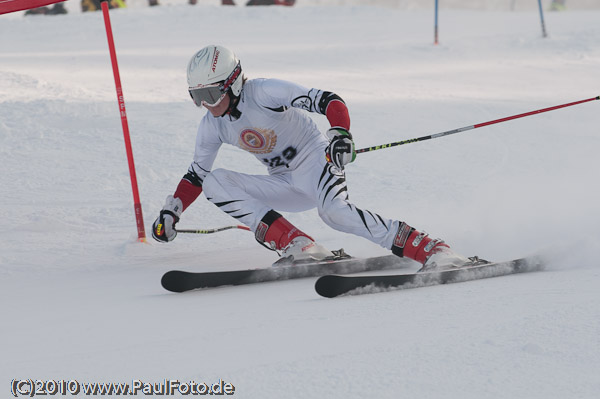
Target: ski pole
210, 231
462, 129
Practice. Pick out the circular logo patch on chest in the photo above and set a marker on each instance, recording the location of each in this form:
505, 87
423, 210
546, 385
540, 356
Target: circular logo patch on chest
257, 141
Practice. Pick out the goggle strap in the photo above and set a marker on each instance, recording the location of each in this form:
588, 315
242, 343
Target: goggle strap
231, 78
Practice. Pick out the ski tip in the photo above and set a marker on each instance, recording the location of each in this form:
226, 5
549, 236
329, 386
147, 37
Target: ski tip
326, 286
171, 281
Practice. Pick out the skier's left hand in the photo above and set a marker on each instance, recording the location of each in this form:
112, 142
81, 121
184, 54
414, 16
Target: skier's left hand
340, 150
163, 229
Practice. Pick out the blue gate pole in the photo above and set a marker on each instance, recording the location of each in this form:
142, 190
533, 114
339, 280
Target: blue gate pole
542, 19
435, 27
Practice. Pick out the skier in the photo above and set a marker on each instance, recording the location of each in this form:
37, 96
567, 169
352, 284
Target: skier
267, 118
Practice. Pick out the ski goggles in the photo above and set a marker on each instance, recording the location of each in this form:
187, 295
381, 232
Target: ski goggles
212, 94
209, 95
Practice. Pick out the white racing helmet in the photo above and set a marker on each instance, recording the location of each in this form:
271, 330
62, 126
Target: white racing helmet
212, 72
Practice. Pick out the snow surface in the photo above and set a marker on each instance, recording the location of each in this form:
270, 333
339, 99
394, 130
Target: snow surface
81, 299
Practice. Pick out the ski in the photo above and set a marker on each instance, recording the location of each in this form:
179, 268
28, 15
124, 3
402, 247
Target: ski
181, 281
331, 286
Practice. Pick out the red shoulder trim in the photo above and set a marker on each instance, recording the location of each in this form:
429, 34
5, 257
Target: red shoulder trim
337, 114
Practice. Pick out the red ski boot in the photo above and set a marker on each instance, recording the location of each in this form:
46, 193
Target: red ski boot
295, 245
432, 254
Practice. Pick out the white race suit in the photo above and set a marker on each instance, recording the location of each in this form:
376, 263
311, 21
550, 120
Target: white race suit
275, 127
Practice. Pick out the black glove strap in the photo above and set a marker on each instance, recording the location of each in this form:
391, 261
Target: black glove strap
167, 212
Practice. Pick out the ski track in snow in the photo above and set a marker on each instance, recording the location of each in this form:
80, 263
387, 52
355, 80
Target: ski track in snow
81, 299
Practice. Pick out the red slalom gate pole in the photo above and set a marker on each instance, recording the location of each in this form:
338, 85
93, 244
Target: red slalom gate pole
137, 206
462, 129
7, 6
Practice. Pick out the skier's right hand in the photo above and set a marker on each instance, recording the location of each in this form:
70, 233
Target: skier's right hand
163, 229
340, 150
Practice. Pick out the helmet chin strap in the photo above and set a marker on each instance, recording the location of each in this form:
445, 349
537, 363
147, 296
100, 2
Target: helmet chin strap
233, 112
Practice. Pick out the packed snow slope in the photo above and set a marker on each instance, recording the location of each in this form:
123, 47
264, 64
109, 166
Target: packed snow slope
81, 299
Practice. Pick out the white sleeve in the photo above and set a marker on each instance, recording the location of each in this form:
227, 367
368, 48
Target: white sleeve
279, 95
207, 146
